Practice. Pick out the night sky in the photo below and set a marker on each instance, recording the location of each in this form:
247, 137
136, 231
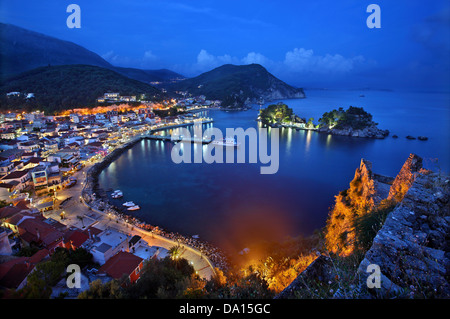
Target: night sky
305, 43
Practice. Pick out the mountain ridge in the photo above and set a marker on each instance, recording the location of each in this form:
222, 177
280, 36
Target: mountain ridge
22, 50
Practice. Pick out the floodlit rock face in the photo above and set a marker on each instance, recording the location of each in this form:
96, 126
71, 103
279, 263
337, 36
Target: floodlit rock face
413, 247
357, 200
406, 177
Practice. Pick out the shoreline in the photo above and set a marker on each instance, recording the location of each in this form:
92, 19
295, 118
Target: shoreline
95, 198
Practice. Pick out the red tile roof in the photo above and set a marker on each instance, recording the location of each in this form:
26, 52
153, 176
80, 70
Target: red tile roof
38, 256
33, 229
16, 275
14, 272
121, 263
9, 211
93, 231
23, 204
75, 237
17, 217
16, 174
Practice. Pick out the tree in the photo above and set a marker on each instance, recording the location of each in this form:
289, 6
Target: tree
276, 113
175, 252
110, 290
166, 278
40, 281
354, 117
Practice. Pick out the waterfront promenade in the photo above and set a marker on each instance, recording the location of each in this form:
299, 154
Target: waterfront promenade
75, 207
79, 214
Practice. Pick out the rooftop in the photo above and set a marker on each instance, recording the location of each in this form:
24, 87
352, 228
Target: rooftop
122, 263
110, 237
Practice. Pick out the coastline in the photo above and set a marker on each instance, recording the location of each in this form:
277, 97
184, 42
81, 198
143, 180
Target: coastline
96, 199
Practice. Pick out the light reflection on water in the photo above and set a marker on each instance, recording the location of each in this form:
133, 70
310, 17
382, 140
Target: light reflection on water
308, 141
233, 205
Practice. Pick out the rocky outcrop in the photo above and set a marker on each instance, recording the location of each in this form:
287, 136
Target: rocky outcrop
275, 92
367, 132
364, 193
412, 248
320, 270
405, 177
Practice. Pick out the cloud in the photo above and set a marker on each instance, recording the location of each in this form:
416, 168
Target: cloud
147, 60
149, 56
305, 61
207, 61
110, 56
257, 58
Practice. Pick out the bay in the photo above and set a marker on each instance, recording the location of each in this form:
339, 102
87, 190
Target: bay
233, 206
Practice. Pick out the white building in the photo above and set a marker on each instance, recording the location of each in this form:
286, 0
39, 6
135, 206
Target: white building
107, 244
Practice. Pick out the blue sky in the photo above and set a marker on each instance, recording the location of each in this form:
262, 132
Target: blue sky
305, 43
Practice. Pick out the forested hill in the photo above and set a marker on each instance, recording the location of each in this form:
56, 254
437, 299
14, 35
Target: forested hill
57, 88
236, 85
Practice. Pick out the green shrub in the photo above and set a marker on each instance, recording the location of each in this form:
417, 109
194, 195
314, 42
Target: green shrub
367, 225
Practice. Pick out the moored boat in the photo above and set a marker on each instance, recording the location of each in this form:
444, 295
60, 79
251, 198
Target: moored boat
135, 207
129, 204
117, 194
228, 141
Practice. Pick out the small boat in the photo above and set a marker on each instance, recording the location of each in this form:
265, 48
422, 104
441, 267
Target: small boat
117, 194
129, 204
195, 236
135, 207
228, 141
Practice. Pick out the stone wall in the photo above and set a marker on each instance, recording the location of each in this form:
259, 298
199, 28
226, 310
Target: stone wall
412, 248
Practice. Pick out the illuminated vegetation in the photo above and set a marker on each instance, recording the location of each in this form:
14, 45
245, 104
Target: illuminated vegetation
280, 273
354, 117
276, 113
174, 277
350, 204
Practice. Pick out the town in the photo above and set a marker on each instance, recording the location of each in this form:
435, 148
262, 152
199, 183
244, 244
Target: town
45, 163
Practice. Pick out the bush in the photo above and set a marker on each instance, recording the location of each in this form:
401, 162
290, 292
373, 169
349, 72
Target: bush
368, 225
